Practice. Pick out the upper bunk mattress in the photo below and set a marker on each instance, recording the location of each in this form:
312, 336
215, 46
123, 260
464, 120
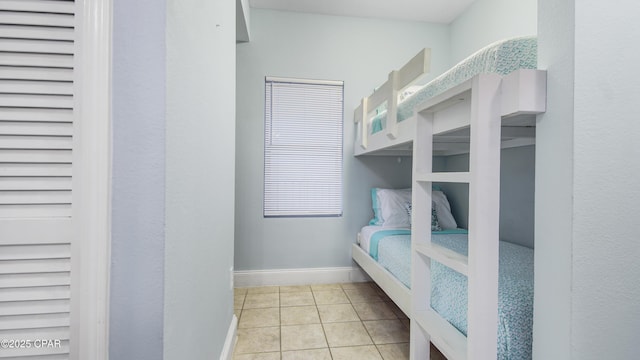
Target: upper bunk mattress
502, 57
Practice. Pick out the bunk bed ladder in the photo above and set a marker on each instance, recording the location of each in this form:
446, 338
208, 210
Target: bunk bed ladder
481, 264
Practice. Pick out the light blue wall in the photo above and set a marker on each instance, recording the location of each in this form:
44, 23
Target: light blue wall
358, 51
587, 195
486, 21
517, 195
554, 184
517, 190
200, 144
606, 198
172, 284
137, 238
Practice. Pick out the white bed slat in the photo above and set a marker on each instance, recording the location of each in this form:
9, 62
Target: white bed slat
418, 66
446, 177
392, 106
363, 128
442, 149
509, 132
451, 342
357, 113
444, 256
518, 142
449, 139
448, 98
399, 293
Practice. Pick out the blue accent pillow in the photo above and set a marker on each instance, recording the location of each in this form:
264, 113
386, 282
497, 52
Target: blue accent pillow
377, 217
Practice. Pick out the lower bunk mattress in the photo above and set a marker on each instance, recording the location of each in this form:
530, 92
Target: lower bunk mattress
391, 248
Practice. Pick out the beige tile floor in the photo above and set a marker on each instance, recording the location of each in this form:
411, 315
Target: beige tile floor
352, 321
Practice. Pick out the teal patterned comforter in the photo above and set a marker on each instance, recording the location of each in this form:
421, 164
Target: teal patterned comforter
449, 289
502, 57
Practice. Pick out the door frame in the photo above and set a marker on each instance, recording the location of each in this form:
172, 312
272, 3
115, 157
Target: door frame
91, 245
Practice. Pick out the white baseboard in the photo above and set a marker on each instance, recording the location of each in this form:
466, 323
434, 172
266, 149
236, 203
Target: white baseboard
286, 277
230, 341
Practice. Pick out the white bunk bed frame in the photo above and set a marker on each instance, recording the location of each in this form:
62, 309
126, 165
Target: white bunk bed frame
489, 112
418, 66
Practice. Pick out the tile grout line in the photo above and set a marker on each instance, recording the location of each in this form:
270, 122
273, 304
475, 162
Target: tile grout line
365, 328
280, 323
324, 332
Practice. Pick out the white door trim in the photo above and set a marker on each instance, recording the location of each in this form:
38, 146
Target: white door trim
92, 183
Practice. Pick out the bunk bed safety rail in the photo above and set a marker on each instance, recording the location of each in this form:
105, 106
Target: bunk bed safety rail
413, 70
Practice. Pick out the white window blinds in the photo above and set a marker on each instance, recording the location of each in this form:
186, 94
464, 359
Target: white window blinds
303, 147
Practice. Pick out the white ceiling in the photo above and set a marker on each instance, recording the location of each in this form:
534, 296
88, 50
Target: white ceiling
438, 11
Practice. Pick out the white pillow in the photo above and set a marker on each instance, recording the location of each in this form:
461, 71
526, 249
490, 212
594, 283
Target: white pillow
443, 210
390, 207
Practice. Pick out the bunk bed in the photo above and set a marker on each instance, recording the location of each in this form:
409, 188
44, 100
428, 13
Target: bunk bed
485, 103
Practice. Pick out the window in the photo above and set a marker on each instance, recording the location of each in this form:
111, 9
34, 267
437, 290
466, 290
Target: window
303, 147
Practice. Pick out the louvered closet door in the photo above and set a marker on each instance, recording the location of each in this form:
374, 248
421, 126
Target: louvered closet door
36, 128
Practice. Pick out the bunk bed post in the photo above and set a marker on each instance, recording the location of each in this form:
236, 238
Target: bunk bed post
421, 234
363, 119
392, 105
484, 217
